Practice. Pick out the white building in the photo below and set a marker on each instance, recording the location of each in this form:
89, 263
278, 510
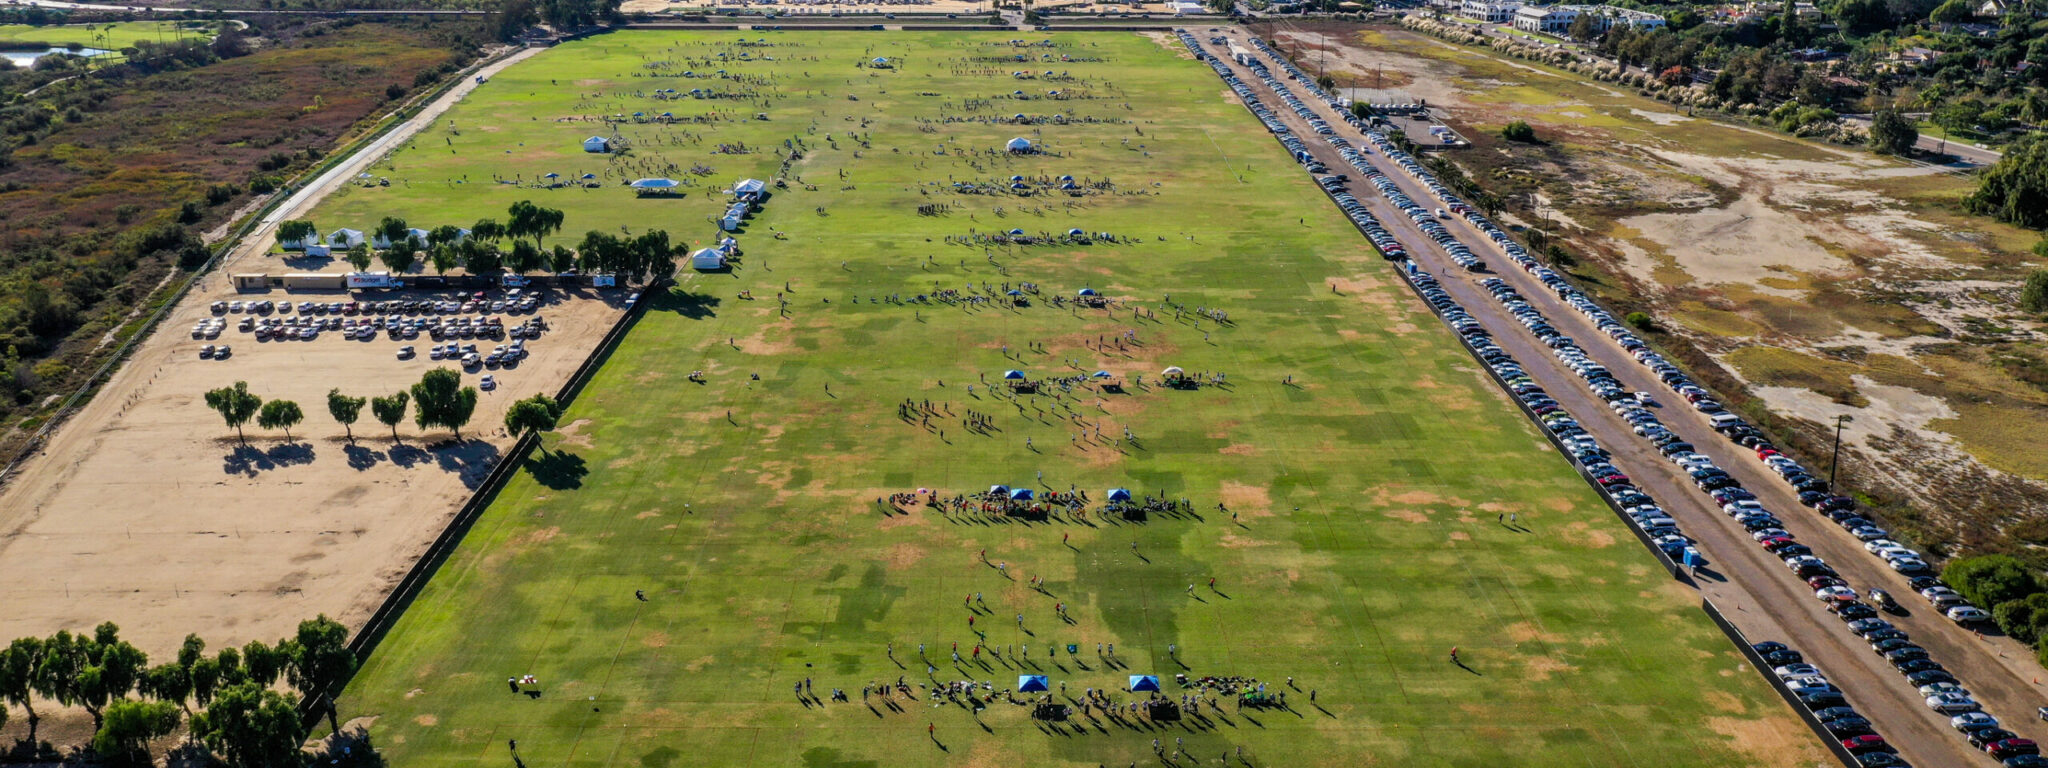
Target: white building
345, 238
1489, 11
1549, 19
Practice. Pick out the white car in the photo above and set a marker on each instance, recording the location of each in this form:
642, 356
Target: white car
1769, 533
1790, 671
1876, 546
1951, 702
1971, 721
1742, 507
1931, 689
1964, 614
488, 383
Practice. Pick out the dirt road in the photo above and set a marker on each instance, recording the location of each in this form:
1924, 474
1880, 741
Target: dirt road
1758, 594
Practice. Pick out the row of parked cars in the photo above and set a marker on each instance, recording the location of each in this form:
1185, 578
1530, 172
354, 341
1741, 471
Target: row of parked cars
1941, 690
479, 301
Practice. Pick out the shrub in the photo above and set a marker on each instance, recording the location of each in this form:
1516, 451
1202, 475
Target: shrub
1519, 131
2034, 296
1990, 580
1640, 321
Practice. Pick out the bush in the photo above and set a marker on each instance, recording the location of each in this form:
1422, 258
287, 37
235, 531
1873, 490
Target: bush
1519, 131
1891, 133
2015, 189
2034, 296
1640, 321
191, 212
2023, 619
394, 92
1990, 580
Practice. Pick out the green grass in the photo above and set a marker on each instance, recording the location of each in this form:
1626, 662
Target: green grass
1359, 555
112, 36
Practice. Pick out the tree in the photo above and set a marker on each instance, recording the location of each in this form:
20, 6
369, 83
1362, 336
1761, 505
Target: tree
322, 661
280, 414
1990, 580
1951, 12
443, 258
18, 665
397, 258
393, 230
1519, 130
264, 662
235, 405
2034, 295
169, 681
534, 414
123, 737
445, 234
2020, 618
358, 257
345, 409
481, 258
487, 230
525, 257
2015, 189
440, 399
205, 673
561, 259
250, 726
1891, 133
390, 411
110, 670
1584, 28
294, 231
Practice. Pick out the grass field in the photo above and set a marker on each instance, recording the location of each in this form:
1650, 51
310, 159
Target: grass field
1354, 556
111, 36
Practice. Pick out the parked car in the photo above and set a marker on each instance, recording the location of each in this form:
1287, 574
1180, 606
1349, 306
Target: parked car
1952, 703
1966, 614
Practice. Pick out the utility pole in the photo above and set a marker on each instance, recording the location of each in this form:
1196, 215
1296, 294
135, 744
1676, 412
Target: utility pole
1835, 460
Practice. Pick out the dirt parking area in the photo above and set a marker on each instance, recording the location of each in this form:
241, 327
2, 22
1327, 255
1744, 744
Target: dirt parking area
145, 509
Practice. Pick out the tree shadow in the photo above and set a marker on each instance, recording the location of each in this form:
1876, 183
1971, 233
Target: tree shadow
360, 458
469, 459
350, 748
247, 460
559, 470
695, 306
406, 455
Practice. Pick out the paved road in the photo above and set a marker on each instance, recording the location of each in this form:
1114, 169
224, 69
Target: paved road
1969, 155
59, 4
1753, 588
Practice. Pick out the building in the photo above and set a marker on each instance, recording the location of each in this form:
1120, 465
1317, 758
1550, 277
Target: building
1991, 9
1549, 19
381, 242
597, 144
1489, 11
345, 238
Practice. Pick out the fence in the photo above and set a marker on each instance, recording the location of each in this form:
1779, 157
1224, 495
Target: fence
1757, 660
401, 596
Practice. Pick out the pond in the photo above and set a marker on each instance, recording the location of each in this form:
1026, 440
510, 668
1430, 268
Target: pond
28, 58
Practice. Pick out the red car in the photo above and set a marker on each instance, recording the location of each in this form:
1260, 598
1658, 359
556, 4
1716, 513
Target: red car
2012, 748
1866, 743
1776, 542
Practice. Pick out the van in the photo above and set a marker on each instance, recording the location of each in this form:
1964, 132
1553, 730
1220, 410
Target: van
1720, 420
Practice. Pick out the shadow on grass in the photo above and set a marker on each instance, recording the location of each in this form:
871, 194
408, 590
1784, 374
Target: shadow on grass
559, 470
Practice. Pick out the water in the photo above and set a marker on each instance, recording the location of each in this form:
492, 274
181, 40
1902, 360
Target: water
28, 58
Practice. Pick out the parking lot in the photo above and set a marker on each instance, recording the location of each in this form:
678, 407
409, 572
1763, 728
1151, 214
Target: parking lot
1664, 463
243, 541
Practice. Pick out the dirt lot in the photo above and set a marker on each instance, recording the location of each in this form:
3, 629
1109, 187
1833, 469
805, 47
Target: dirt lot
145, 510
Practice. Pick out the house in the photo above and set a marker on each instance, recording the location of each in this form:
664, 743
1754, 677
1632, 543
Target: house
1550, 19
597, 144
1606, 17
708, 260
1915, 57
1991, 9
345, 238
1489, 11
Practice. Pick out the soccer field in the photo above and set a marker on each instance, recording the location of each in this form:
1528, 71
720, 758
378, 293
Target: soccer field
1350, 553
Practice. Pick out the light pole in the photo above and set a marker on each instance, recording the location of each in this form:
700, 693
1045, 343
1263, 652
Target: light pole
1835, 460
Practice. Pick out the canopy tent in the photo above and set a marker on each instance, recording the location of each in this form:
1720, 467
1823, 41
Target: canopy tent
551, 175
879, 62
1032, 683
747, 187
655, 186
1173, 370
1019, 144
1019, 185
1020, 494
1144, 683
1065, 177
587, 176
1104, 374
1016, 178
1013, 374
597, 144
1015, 292
1077, 232
1119, 494
999, 489
1016, 232
707, 259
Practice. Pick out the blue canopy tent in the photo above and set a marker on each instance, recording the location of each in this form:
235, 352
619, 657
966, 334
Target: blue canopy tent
1104, 375
1016, 231
1144, 683
1065, 177
1015, 292
587, 176
1119, 494
552, 176
1032, 683
1020, 494
1016, 178
1084, 291
1019, 185
655, 186
1013, 374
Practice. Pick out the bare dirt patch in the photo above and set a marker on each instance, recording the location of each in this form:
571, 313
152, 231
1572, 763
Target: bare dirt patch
1248, 499
1238, 449
1408, 515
